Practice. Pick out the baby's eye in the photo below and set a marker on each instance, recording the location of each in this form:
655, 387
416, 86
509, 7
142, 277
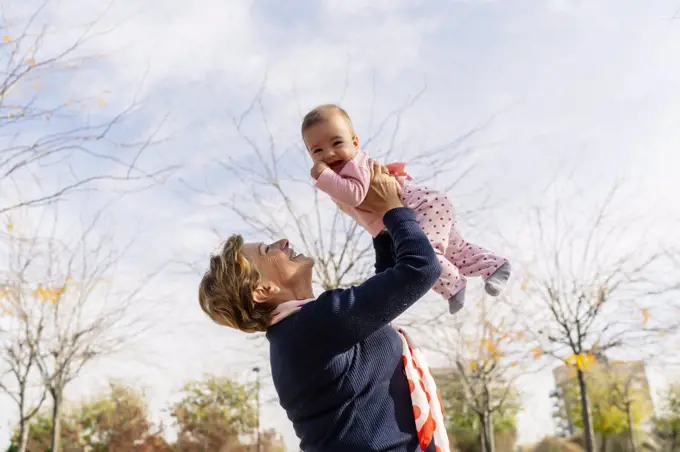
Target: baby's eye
337, 143
316, 151
266, 249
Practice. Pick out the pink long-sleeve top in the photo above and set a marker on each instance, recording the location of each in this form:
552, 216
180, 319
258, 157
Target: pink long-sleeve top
348, 189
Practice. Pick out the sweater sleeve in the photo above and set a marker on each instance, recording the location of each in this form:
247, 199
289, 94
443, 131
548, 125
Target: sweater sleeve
350, 186
338, 319
384, 252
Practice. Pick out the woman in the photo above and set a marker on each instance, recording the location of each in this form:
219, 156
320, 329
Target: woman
336, 361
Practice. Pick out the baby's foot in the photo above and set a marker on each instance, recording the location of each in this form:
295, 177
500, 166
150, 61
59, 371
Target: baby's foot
457, 301
497, 280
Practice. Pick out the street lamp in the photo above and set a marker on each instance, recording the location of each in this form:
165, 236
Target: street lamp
561, 410
257, 401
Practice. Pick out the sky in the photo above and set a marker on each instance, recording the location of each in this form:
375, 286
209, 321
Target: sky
587, 92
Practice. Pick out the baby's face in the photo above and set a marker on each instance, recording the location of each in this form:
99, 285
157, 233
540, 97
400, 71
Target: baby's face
331, 142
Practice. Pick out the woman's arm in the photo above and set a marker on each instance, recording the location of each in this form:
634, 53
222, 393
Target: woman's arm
384, 252
339, 319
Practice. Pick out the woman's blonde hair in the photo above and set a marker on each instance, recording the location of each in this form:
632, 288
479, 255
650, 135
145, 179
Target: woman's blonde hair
226, 290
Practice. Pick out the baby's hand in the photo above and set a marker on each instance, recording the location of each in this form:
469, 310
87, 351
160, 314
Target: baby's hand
317, 169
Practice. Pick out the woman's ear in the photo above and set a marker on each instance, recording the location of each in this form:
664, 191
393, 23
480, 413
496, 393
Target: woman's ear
264, 293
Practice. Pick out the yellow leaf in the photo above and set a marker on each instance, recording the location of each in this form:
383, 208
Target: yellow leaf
102, 103
525, 284
10, 227
645, 316
6, 39
56, 294
538, 352
491, 327
581, 361
31, 62
472, 364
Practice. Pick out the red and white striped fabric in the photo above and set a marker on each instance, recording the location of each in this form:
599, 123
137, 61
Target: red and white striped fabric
427, 403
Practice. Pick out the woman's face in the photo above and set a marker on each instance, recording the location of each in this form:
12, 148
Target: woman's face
288, 273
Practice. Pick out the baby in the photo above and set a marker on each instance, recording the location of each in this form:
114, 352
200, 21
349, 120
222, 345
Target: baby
341, 170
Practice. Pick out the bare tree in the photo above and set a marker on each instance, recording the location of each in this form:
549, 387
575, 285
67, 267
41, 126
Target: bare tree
18, 358
51, 144
67, 307
16, 354
485, 351
594, 285
20, 362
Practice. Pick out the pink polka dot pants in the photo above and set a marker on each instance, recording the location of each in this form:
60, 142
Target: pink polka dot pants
458, 258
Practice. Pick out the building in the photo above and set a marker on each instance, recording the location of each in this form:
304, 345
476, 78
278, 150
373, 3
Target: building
630, 376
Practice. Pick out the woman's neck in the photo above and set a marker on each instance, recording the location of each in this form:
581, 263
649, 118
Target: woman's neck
294, 293
303, 293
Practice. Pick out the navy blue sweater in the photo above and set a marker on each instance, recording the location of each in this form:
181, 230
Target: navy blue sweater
337, 364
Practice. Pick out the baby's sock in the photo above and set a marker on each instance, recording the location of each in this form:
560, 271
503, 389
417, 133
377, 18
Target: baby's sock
497, 280
457, 301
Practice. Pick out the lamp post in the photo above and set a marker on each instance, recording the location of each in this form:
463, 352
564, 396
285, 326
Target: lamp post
257, 401
562, 411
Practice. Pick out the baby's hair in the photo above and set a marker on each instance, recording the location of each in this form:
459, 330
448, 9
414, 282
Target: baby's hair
322, 113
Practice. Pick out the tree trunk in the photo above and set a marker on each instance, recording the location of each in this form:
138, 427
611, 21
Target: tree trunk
56, 420
24, 429
631, 431
486, 433
23, 421
586, 415
483, 444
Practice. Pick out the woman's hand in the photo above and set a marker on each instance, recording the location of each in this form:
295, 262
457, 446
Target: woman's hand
383, 192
